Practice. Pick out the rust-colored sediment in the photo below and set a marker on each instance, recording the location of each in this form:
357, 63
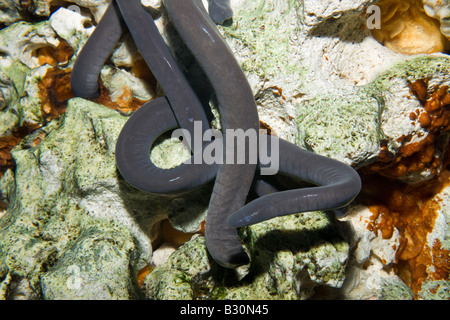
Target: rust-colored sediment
142, 274
125, 103
413, 208
10, 141
55, 90
434, 118
54, 55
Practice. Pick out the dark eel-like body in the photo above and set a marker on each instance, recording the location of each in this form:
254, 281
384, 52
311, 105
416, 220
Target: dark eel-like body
337, 183
220, 10
237, 109
140, 132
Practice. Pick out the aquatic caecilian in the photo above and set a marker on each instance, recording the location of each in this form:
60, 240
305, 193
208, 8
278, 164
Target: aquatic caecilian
336, 183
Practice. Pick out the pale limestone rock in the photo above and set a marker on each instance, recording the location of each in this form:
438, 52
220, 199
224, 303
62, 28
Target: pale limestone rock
369, 274
156, 4
126, 54
118, 80
21, 40
96, 7
439, 9
162, 254
319, 11
72, 27
319, 80
369, 244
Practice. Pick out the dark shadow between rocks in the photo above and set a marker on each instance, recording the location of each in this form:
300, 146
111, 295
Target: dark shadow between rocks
265, 248
342, 27
263, 254
147, 209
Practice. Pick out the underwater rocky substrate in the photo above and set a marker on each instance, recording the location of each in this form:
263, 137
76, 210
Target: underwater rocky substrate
72, 228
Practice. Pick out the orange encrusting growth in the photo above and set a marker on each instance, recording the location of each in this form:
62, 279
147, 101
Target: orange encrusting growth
435, 105
169, 234
431, 264
142, 274
141, 70
55, 87
10, 141
126, 102
172, 235
54, 56
413, 208
434, 118
55, 90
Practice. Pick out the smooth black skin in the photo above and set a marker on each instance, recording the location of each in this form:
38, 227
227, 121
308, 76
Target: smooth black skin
185, 105
134, 144
220, 10
93, 56
237, 109
338, 184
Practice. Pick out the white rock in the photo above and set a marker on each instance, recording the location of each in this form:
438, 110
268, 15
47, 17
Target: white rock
117, 80
163, 253
368, 244
369, 269
441, 230
156, 4
318, 11
96, 7
71, 26
21, 40
439, 9
126, 54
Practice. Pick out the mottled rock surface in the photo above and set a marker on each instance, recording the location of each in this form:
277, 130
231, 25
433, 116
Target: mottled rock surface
74, 229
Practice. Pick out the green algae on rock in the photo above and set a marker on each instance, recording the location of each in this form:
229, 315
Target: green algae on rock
96, 266
74, 227
393, 288
290, 256
70, 211
435, 290
64, 186
349, 125
343, 127
12, 79
264, 31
